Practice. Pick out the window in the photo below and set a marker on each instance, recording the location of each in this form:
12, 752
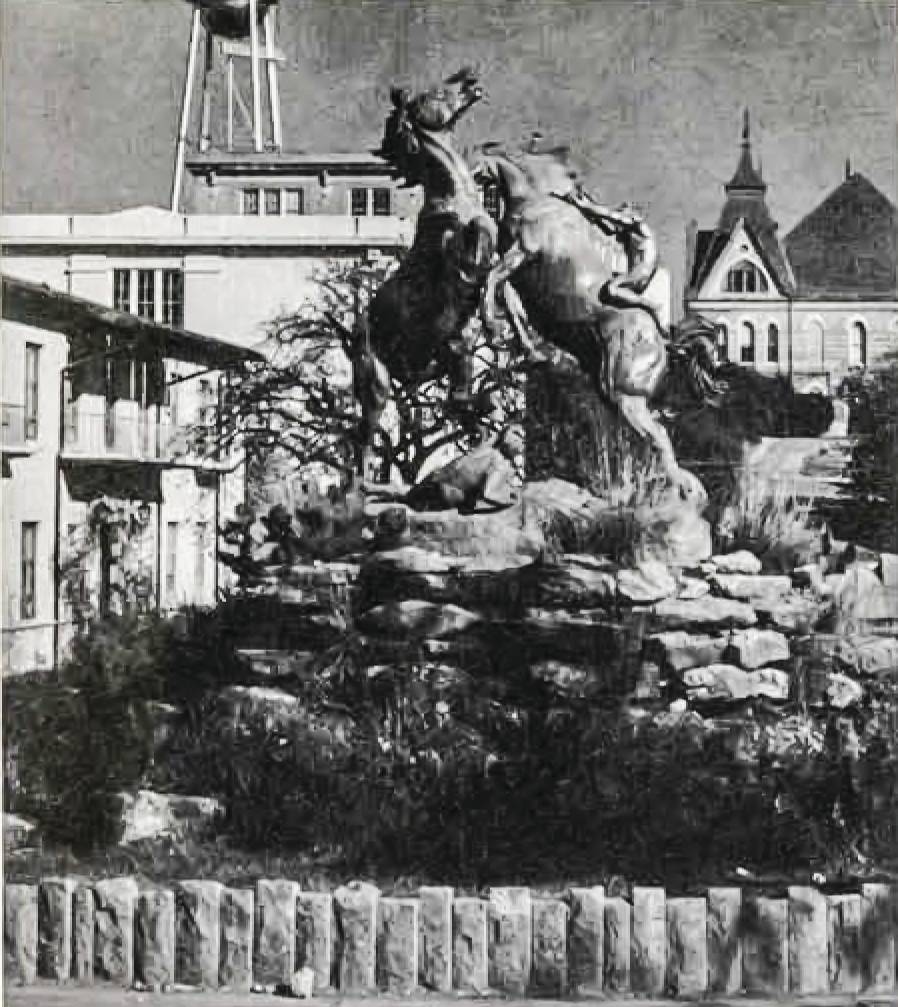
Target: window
250, 203
723, 343
121, 289
173, 298
773, 344
146, 293
747, 343
272, 202
32, 389
857, 347
491, 200
171, 560
358, 202
813, 356
746, 278
296, 202
381, 202
199, 569
28, 601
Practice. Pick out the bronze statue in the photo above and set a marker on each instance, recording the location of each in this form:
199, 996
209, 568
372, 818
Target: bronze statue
555, 256
412, 330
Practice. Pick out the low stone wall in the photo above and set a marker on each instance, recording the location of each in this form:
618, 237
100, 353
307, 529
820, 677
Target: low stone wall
514, 941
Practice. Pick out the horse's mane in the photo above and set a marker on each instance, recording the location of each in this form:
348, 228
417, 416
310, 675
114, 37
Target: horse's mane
694, 342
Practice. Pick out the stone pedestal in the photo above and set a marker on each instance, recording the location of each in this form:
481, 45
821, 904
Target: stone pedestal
808, 917
617, 945
356, 907
314, 935
550, 947
469, 945
54, 950
275, 944
83, 927
20, 935
116, 899
844, 926
724, 944
511, 942
765, 947
687, 947
586, 939
878, 909
435, 946
648, 937
198, 933
397, 945
155, 938
235, 965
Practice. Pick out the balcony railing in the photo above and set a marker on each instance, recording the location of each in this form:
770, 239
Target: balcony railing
18, 431
126, 434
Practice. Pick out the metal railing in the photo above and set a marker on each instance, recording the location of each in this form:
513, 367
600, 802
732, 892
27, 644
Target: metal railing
138, 436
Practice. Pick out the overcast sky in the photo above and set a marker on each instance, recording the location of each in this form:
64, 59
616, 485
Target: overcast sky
648, 94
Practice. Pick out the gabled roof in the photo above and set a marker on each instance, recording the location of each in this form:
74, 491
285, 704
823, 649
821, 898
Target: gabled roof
711, 244
40, 306
846, 247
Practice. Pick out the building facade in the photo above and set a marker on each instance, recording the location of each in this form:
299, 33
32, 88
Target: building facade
815, 305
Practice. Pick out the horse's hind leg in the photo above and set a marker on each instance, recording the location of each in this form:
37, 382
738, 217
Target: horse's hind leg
635, 410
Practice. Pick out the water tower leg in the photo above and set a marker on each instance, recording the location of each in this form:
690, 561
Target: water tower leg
254, 62
185, 110
271, 67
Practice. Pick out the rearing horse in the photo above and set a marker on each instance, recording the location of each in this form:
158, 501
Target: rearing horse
559, 265
416, 318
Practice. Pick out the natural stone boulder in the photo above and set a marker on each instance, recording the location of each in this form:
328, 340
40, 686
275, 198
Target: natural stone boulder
864, 604
869, 656
752, 648
570, 583
675, 613
148, 815
567, 679
692, 588
736, 562
680, 650
792, 613
418, 618
750, 587
649, 581
726, 682
842, 691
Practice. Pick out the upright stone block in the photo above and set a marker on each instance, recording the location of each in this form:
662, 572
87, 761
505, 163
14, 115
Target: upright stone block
765, 947
54, 938
20, 935
808, 926
550, 949
274, 959
435, 945
314, 935
586, 939
879, 922
617, 945
511, 940
155, 937
397, 945
844, 926
687, 947
116, 899
83, 926
235, 963
198, 933
648, 941
356, 906
470, 959
724, 941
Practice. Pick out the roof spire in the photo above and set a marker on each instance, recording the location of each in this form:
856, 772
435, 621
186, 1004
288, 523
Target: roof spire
746, 178
746, 128
847, 168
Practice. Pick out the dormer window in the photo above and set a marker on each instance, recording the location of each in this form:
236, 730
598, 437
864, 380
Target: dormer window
746, 278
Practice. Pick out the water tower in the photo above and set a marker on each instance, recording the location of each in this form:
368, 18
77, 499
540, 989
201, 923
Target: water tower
234, 30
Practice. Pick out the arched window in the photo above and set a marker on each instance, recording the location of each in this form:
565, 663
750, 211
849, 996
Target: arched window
747, 343
857, 346
813, 350
746, 278
723, 343
773, 344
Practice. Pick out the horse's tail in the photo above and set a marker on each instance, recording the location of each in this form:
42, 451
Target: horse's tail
694, 342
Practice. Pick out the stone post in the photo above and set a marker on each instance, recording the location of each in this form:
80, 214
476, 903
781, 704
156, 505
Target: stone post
511, 940
687, 947
356, 906
83, 926
586, 939
648, 938
55, 936
116, 899
235, 964
879, 915
435, 945
274, 960
470, 960
550, 959
724, 943
808, 959
155, 938
20, 935
765, 947
198, 940
844, 927
397, 945
617, 945
314, 935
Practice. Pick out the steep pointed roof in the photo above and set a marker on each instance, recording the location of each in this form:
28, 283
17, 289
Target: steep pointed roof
746, 177
846, 246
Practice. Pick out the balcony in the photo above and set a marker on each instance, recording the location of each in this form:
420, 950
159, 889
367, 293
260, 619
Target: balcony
19, 432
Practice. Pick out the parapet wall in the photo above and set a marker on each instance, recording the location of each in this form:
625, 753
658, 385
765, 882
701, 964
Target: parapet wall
512, 941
